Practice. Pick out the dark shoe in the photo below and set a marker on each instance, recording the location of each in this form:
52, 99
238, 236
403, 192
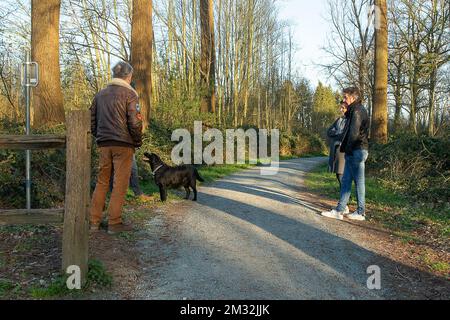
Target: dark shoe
117, 228
104, 224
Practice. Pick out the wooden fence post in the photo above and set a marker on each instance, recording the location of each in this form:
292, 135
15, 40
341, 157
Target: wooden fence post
78, 170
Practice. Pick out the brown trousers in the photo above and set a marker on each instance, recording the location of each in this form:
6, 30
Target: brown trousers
119, 158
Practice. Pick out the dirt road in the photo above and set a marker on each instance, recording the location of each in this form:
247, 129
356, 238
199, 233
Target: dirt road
251, 237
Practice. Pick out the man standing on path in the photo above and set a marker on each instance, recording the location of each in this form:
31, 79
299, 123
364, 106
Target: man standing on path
355, 144
117, 126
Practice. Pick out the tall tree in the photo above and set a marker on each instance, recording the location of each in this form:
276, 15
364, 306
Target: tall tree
380, 111
324, 109
436, 26
350, 45
208, 59
141, 54
47, 97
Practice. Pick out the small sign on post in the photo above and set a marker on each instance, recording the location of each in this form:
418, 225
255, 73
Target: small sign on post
29, 74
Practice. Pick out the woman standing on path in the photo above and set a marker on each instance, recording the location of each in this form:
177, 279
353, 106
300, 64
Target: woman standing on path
336, 161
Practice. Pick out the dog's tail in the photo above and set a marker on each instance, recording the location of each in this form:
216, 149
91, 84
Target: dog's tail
197, 175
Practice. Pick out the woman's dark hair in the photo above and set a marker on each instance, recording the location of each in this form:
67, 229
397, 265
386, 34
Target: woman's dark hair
122, 70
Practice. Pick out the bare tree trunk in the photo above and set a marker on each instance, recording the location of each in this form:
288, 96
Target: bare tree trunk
249, 62
226, 65
414, 97
432, 99
397, 84
379, 120
183, 35
219, 63
47, 97
208, 60
398, 107
141, 54
192, 73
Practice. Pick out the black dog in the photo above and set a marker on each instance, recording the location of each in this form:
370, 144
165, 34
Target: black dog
173, 177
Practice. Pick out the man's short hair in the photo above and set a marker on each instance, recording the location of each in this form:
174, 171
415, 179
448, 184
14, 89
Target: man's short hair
122, 70
353, 91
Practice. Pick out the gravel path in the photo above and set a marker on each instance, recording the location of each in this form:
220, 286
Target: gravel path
250, 237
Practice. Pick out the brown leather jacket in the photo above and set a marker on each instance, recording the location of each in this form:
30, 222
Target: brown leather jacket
115, 119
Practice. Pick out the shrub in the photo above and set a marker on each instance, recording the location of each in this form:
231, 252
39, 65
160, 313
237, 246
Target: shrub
48, 166
301, 143
415, 166
47, 173
98, 275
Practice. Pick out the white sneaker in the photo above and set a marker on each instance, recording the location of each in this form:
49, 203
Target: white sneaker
333, 214
356, 216
347, 210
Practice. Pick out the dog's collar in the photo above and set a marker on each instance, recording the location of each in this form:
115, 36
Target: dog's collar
153, 173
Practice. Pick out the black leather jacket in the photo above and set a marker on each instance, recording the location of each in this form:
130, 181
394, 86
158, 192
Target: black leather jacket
115, 120
356, 130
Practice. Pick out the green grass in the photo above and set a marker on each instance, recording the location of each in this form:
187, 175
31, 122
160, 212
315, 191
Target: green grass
437, 266
305, 155
57, 288
441, 266
97, 276
211, 173
9, 289
208, 173
149, 187
2, 260
5, 287
397, 212
17, 229
325, 183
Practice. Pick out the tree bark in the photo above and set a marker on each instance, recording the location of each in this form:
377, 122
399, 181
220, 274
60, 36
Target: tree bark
47, 97
208, 56
380, 112
141, 54
398, 107
432, 100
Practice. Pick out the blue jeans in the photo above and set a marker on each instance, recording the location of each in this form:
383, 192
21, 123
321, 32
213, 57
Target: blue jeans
354, 171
